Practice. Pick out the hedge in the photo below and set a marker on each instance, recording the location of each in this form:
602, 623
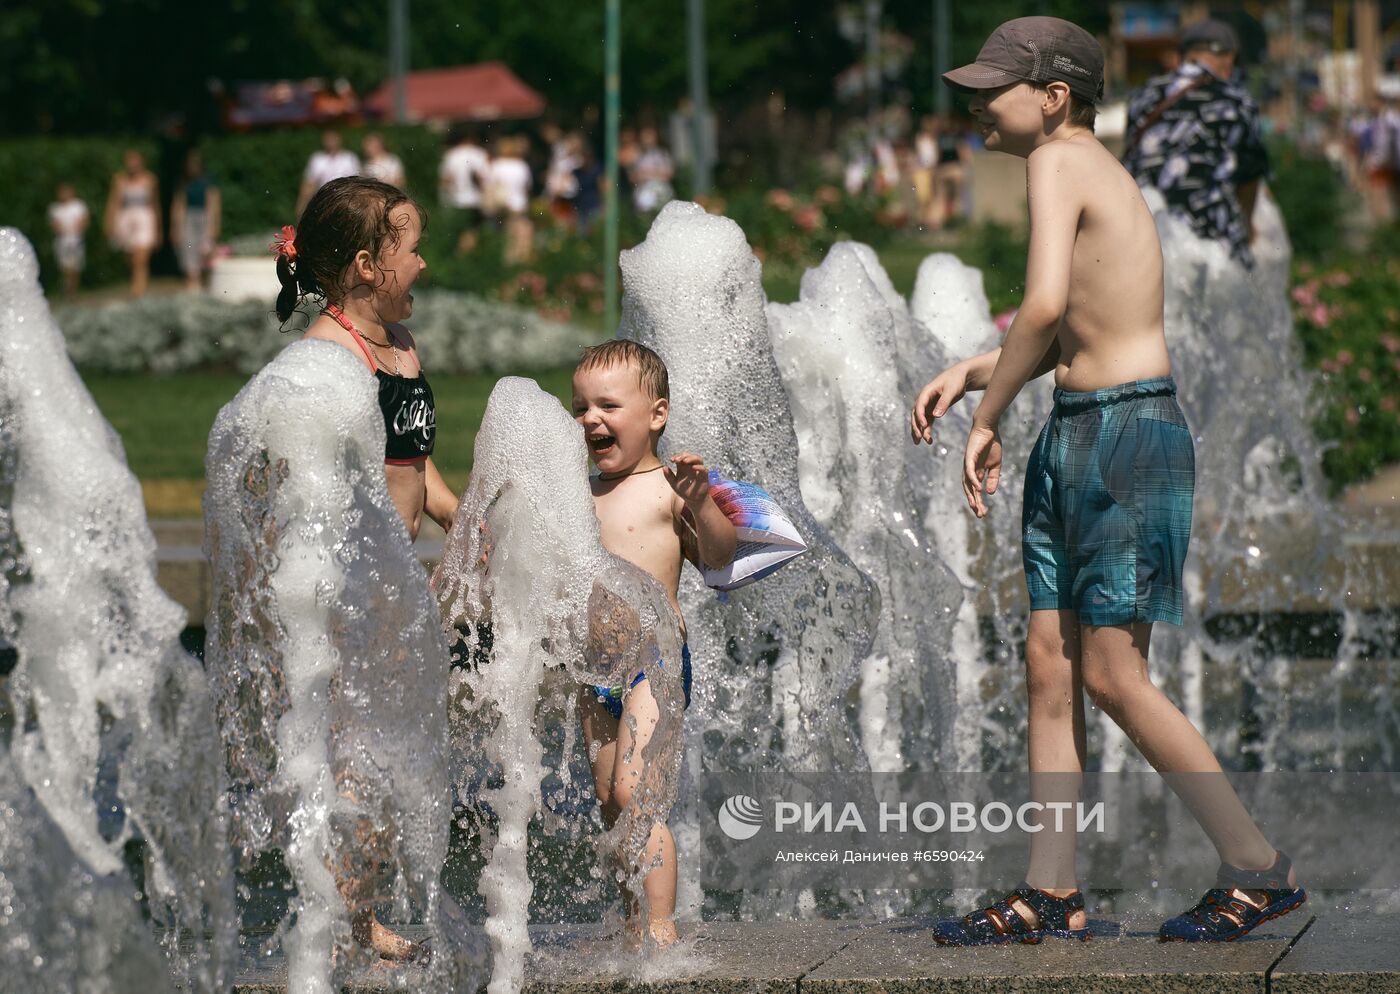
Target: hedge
455, 332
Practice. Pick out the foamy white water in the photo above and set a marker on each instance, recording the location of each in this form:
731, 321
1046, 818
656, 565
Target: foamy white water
837, 355
524, 558
101, 679
774, 661
331, 667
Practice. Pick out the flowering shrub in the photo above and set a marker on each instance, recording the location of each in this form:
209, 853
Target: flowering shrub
455, 332
1348, 320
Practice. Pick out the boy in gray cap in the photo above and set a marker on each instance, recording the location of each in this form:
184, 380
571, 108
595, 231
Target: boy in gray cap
1107, 503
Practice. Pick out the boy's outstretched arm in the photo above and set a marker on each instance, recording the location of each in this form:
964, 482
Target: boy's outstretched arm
948, 387
1055, 211
714, 533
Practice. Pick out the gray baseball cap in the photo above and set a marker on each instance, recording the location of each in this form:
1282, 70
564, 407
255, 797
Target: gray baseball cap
1040, 50
1211, 35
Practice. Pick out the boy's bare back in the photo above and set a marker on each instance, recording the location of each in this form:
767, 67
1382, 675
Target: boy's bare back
1093, 241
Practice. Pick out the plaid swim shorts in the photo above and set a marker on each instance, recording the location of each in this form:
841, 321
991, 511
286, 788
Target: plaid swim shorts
1107, 512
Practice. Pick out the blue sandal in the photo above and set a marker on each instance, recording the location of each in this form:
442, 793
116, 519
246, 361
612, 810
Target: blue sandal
1223, 916
1001, 922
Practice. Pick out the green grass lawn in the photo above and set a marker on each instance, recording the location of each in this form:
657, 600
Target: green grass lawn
164, 424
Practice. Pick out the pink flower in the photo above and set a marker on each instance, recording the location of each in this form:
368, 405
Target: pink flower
1388, 403
1305, 295
780, 199
1363, 374
1391, 342
1004, 319
807, 217
1345, 357
1337, 279
1353, 416
1320, 315
1328, 366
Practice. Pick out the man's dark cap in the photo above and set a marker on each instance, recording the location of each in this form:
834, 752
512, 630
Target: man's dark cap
1210, 35
1039, 50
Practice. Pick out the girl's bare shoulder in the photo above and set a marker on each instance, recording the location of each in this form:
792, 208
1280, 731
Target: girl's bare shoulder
403, 336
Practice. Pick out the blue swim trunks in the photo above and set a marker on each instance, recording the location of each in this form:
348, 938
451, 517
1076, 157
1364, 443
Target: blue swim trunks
611, 697
1107, 512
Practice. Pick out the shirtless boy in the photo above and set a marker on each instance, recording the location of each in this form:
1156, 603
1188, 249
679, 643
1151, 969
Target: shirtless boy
1107, 512
653, 516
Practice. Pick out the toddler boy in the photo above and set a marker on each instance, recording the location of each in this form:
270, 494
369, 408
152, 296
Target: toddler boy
653, 516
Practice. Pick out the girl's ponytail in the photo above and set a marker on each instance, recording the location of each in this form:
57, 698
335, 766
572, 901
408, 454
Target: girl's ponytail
290, 293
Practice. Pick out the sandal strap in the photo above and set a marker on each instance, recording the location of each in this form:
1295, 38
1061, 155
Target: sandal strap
998, 918
1218, 911
1274, 878
1052, 911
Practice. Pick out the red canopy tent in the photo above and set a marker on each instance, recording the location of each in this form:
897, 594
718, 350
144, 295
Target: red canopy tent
485, 92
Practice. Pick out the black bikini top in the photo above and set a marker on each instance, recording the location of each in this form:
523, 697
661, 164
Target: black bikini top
410, 419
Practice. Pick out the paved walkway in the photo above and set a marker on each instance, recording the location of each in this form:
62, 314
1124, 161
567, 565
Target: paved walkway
1297, 954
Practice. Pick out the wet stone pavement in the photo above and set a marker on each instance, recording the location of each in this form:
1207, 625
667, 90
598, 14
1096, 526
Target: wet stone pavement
1298, 954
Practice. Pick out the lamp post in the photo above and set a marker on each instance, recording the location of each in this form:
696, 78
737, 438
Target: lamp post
942, 26
699, 96
612, 84
398, 57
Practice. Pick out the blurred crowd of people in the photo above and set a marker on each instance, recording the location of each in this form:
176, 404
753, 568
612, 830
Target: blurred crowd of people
479, 182
132, 223
925, 178
1371, 157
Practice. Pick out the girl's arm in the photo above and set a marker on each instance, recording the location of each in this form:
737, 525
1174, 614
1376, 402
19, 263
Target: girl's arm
215, 205
109, 216
439, 502
155, 206
177, 215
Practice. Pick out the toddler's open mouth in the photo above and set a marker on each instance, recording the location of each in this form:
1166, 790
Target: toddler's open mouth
598, 444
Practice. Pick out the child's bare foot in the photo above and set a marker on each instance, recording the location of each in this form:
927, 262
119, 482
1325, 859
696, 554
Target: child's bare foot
632, 936
372, 934
663, 932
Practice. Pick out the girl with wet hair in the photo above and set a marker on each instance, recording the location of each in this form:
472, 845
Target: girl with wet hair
354, 258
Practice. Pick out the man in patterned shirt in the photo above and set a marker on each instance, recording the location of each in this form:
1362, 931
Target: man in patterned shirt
1194, 135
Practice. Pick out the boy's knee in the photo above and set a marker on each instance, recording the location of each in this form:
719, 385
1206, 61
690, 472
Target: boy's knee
1102, 688
1049, 671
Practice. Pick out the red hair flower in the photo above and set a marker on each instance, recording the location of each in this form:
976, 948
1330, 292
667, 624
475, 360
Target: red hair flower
285, 243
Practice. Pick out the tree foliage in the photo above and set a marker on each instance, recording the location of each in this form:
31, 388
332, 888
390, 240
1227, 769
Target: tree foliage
84, 66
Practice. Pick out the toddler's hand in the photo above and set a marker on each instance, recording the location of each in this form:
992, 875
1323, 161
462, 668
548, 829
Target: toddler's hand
689, 479
941, 393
